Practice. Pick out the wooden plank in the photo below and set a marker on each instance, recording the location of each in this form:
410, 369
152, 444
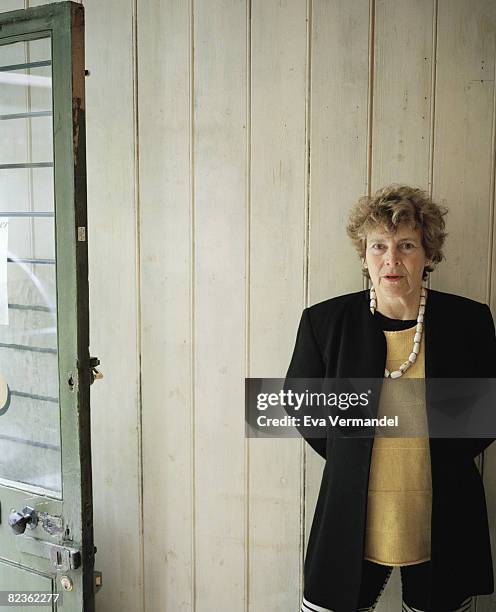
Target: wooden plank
463, 174
113, 291
277, 288
219, 231
339, 109
462, 141
164, 105
402, 101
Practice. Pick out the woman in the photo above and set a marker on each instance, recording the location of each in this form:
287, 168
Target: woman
419, 505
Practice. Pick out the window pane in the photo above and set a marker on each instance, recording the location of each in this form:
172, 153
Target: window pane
29, 387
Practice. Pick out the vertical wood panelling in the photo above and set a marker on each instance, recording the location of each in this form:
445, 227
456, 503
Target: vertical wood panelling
463, 159
402, 92
338, 142
462, 141
113, 301
218, 227
164, 55
277, 252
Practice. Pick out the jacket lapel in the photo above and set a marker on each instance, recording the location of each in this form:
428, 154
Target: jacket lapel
362, 352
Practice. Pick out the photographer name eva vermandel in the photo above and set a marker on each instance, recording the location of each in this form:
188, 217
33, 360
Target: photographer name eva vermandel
309, 421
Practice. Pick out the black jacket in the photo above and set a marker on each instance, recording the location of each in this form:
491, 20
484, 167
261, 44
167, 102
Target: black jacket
340, 338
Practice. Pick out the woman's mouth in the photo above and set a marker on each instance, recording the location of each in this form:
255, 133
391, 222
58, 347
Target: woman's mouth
392, 278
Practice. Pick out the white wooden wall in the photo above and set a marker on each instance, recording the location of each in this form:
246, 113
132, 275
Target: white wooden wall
227, 140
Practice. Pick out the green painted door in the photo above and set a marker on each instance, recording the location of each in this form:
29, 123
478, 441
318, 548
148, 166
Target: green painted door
46, 523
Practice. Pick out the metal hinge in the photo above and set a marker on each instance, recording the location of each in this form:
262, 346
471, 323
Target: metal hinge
98, 580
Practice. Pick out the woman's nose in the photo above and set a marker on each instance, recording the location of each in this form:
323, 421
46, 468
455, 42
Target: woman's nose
392, 256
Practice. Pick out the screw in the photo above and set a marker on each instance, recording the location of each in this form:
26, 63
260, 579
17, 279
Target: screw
66, 583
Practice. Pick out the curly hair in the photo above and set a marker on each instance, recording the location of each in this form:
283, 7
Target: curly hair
392, 206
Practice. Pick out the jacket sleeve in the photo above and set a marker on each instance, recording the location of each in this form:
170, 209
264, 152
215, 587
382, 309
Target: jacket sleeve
307, 362
485, 338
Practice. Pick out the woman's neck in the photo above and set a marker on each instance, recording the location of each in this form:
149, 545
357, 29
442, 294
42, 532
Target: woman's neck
404, 309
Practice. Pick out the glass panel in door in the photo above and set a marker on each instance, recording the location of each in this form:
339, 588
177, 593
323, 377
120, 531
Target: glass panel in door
30, 456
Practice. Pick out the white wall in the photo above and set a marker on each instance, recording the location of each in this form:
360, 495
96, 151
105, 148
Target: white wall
226, 141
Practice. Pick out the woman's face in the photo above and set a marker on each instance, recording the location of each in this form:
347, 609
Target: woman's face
396, 261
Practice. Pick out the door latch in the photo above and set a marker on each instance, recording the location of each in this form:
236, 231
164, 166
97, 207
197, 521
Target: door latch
95, 374
63, 558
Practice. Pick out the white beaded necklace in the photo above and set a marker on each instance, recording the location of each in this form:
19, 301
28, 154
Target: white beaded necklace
418, 333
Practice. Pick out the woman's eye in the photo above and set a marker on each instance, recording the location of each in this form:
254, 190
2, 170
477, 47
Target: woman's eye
408, 245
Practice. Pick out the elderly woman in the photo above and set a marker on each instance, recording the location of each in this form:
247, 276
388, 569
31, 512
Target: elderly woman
417, 503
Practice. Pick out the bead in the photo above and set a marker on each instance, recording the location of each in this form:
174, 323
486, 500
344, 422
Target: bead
412, 358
